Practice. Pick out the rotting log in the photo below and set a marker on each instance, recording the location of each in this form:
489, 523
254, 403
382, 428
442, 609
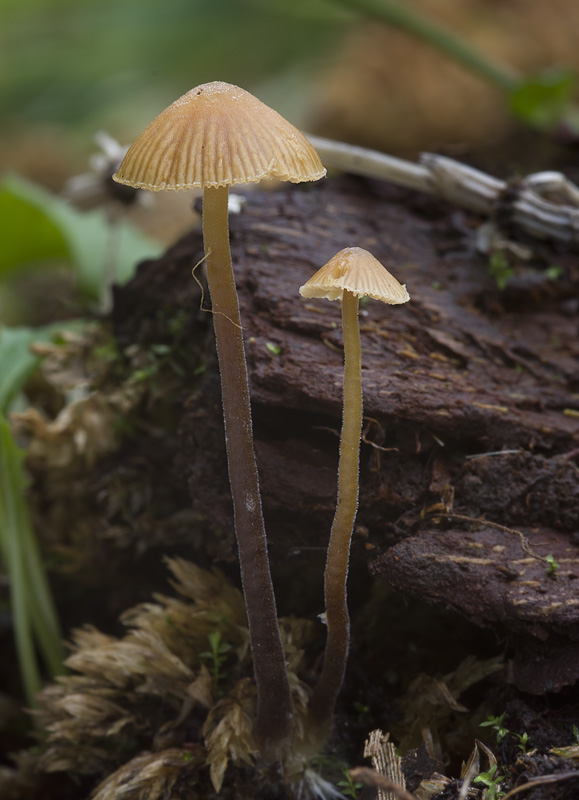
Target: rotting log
471, 393
482, 573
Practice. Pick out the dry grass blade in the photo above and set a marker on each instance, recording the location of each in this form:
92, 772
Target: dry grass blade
149, 776
543, 781
370, 777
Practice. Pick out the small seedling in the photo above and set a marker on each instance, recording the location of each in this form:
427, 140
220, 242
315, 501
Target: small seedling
500, 269
108, 351
349, 788
552, 565
492, 782
523, 741
156, 358
497, 724
274, 349
553, 273
217, 656
364, 714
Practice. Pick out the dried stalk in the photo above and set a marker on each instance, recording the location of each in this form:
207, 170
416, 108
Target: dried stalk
468, 188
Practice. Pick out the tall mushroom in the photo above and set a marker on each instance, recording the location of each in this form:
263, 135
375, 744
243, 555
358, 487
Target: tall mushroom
215, 136
350, 274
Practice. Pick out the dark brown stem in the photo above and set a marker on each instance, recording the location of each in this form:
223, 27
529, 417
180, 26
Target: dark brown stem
337, 617
274, 709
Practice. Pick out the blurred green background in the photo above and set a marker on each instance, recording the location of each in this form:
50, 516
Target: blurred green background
71, 67
347, 69
337, 67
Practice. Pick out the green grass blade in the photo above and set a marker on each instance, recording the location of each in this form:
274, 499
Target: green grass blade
34, 617
12, 550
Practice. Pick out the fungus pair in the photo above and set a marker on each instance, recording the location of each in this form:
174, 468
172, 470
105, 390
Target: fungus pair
215, 136
351, 274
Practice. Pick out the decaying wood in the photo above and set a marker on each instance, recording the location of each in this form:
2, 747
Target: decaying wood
385, 761
483, 574
471, 394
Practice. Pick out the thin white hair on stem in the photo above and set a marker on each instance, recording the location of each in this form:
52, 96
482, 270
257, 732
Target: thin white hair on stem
200, 285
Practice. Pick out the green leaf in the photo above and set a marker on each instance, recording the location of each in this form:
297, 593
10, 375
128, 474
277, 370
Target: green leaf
553, 273
552, 565
39, 227
500, 269
29, 235
543, 100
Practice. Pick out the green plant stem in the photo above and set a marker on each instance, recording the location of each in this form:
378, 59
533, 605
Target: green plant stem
337, 617
274, 711
13, 555
402, 16
45, 621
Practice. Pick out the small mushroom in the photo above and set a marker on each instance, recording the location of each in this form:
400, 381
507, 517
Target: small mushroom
350, 274
215, 136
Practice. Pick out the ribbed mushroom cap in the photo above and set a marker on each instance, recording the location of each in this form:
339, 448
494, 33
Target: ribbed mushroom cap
359, 272
217, 135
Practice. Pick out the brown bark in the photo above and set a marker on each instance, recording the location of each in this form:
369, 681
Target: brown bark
463, 370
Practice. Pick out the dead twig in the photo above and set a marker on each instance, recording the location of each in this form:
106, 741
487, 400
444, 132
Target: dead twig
467, 187
565, 776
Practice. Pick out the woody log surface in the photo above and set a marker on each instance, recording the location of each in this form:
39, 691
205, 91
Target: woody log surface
461, 373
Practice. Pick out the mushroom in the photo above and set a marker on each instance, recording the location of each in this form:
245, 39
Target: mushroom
350, 274
215, 136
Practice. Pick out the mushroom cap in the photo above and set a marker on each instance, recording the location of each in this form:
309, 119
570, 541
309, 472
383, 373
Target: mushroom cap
218, 135
357, 271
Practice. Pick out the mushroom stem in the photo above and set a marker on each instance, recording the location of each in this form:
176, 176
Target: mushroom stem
337, 617
274, 704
